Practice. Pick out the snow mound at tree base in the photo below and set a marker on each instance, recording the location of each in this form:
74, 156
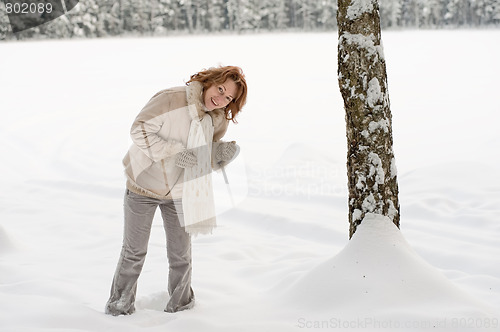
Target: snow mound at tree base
379, 275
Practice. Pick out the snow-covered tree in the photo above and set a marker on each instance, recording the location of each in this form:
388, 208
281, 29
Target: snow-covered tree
96, 18
371, 169
247, 16
281, 19
327, 17
268, 11
432, 13
232, 11
495, 12
215, 15
483, 11
390, 13
458, 12
4, 23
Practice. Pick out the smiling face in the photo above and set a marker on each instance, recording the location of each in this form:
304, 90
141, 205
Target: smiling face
220, 95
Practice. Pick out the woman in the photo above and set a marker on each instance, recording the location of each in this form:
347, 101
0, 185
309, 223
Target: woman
176, 145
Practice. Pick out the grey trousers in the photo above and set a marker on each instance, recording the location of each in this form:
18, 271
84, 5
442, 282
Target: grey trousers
139, 213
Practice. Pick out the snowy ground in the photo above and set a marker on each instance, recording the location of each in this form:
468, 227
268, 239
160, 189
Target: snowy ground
281, 259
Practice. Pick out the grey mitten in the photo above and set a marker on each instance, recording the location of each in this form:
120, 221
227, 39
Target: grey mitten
225, 151
186, 159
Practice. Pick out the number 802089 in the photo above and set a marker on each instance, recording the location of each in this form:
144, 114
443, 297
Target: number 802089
28, 8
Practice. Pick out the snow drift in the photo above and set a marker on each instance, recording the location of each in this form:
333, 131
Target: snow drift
379, 275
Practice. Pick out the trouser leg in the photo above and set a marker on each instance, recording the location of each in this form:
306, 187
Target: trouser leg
139, 212
179, 258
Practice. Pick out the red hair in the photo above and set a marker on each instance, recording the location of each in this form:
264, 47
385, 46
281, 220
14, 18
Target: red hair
219, 75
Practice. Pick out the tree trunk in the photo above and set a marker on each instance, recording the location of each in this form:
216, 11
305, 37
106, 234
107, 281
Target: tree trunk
189, 15
371, 169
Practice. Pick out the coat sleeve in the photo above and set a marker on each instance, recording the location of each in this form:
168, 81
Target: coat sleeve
144, 131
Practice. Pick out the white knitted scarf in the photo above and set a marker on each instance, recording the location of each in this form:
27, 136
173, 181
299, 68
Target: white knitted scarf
197, 191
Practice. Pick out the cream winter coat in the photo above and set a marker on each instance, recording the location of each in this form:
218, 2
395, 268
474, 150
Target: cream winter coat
159, 132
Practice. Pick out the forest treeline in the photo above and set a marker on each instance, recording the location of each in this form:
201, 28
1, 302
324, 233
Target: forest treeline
104, 18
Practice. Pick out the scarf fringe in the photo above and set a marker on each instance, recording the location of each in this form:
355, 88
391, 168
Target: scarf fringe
204, 227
